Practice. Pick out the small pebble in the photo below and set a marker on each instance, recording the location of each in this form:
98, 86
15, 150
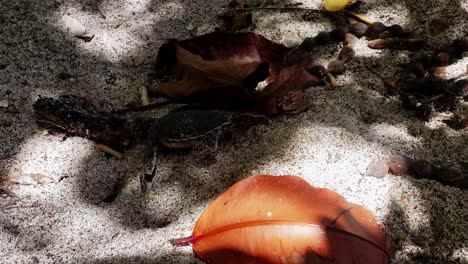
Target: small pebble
350, 40
190, 27
377, 168
323, 38
391, 86
233, 3
439, 72
442, 58
241, 21
399, 164
339, 34
417, 69
309, 44
336, 67
318, 70
459, 120
5, 122
460, 45
346, 54
358, 29
398, 31
423, 169
438, 25
460, 87
375, 29
340, 21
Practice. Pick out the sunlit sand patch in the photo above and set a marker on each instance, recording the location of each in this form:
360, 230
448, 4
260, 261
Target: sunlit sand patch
48, 155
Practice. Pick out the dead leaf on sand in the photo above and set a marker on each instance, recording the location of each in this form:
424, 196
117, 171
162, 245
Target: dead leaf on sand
265, 219
223, 69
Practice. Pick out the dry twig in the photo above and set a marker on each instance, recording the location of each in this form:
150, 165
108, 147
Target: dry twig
109, 150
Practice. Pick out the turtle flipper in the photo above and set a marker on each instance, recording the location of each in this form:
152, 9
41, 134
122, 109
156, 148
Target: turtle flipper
150, 165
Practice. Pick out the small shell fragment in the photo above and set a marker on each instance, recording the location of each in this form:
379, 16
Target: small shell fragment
144, 95
4, 103
377, 168
76, 29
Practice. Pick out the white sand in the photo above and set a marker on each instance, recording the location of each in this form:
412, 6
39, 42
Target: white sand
63, 220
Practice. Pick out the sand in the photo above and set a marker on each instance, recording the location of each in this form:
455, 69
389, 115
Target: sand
58, 215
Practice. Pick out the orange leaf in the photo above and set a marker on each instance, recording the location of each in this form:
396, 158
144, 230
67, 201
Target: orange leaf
283, 219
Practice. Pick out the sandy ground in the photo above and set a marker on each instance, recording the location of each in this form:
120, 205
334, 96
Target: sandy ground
58, 214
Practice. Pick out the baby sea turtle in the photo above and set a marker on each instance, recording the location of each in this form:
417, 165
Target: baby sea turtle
182, 128
187, 128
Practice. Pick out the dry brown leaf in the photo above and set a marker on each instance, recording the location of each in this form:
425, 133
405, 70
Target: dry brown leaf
194, 75
224, 68
285, 94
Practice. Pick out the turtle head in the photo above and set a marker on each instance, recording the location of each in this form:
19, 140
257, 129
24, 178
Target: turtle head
144, 130
77, 116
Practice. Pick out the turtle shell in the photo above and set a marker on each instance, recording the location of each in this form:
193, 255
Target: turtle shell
185, 128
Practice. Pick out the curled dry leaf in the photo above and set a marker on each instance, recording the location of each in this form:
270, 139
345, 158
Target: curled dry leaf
283, 219
223, 59
285, 94
224, 68
194, 75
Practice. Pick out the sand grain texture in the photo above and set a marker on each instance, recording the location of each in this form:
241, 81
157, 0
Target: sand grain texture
61, 218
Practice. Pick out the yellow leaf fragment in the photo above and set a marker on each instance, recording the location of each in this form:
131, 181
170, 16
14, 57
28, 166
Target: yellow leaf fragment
335, 5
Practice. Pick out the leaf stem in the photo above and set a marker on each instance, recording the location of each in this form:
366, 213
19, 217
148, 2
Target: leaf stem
184, 241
